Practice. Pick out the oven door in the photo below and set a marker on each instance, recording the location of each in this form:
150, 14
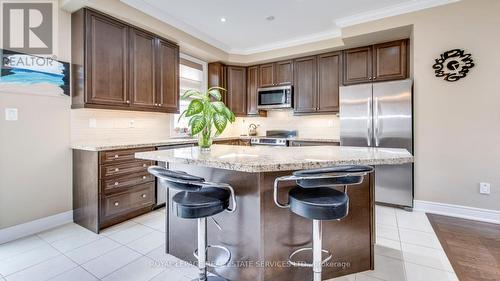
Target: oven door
276, 97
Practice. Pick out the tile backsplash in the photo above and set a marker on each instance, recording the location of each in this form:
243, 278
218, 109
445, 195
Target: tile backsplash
97, 125
315, 126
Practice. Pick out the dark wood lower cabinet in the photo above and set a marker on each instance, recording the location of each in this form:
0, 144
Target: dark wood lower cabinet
244, 142
121, 206
110, 187
313, 143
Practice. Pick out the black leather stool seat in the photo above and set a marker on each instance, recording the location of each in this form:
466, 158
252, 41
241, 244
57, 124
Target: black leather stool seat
321, 203
205, 202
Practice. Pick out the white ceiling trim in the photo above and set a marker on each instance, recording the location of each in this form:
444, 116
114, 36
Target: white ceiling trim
164, 17
390, 11
330, 34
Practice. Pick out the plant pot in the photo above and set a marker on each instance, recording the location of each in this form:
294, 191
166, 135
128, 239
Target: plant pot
204, 142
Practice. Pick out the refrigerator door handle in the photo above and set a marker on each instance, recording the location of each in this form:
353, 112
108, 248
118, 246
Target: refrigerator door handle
376, 122
369, 123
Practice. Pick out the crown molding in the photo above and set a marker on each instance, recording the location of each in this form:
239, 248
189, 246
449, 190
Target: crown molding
330, 34
390, 11
165, 17
372, 15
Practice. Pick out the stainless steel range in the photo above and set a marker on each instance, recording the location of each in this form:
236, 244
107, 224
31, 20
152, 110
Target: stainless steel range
274, 138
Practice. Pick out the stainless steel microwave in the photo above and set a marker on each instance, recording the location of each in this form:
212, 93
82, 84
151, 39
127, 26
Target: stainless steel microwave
275, 97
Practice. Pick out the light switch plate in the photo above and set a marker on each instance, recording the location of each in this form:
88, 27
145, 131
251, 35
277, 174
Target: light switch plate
484, 188
11, 114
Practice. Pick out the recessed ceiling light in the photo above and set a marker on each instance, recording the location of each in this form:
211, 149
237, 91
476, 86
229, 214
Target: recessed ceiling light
223, 19
270, 18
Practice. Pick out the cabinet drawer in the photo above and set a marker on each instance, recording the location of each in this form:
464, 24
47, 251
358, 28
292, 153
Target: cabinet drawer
139, 197
116, 183
114, 156
118, 169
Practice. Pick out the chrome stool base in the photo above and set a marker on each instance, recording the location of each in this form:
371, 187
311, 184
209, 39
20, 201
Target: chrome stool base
202, 258
303, 264
226, 250
318, 260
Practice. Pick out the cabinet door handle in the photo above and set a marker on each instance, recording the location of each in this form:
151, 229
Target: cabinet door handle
143, 195
116, 183
116, 204
159, 104
144, 165
116, 155
116, 169
143, 177
128, 101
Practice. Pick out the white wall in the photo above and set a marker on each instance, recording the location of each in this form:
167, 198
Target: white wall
35, 154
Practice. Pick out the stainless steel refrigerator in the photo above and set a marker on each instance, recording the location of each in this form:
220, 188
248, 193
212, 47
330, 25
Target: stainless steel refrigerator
380, 115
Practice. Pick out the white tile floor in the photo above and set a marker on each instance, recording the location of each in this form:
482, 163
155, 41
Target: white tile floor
407, 249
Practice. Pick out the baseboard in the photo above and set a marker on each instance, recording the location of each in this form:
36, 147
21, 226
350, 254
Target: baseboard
458, 211
32, 227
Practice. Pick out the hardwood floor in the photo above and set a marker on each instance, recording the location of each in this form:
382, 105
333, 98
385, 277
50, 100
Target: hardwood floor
472, 247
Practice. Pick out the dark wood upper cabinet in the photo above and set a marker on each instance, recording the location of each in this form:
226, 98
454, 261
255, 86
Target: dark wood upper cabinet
119, 66
358, 65
217, 77
142, 69
276, 74
305, 90
316, 79
106, 61
237, 90
284, 72
252, 85
167, 94
380, 62
329, 66
266, 75
390, 61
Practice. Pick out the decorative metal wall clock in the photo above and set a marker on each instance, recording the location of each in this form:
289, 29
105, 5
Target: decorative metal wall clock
453, 65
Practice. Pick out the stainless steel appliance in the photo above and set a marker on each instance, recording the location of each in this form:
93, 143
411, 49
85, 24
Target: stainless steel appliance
380, 115
162, 191
274, 138
275, 97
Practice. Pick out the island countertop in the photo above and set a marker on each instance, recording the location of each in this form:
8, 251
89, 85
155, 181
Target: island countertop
255, 159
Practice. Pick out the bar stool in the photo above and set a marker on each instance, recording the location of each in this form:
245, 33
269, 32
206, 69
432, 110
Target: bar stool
314, 198
199, 199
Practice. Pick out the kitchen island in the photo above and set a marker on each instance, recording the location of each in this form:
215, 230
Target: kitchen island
260, 235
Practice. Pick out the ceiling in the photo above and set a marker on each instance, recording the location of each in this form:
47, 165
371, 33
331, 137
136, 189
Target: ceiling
246, 29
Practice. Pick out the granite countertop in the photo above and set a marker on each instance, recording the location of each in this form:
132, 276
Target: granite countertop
112, 145
256, 159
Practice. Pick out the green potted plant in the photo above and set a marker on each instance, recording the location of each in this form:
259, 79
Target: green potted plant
208, 115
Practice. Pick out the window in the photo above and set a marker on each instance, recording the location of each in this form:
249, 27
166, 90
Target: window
192, 76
